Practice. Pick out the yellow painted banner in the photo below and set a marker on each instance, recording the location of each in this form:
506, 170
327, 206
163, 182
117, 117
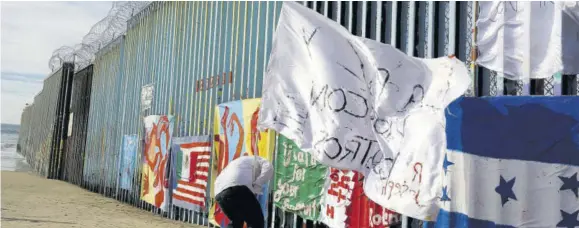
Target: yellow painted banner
236, 135
154, 179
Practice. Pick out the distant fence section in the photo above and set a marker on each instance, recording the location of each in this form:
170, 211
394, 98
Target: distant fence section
56, 156
77, 126
199, 63
40, 136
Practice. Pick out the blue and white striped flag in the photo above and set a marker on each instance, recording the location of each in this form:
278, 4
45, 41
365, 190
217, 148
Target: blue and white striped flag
511, 162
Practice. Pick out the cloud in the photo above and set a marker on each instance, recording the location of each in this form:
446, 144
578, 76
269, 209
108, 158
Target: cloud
22, 76
31, 31
17, 90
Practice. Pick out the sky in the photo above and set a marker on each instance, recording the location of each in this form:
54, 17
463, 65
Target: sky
29, 33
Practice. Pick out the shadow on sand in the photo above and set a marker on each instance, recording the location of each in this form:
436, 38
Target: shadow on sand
8, 219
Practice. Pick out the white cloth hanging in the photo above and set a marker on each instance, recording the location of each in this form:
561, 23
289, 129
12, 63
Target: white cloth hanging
543, 34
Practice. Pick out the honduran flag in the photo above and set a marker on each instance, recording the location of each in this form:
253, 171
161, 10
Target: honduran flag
190, 167
511, 162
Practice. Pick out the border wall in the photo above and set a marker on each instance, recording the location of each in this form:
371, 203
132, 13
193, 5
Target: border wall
41, 124
196, 55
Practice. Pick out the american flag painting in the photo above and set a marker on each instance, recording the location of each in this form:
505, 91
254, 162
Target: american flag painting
511, 162
190, 165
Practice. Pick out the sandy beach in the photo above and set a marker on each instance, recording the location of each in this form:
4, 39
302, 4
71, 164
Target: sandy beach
32, 201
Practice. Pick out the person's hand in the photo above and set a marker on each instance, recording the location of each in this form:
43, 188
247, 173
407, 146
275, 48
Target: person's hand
257, 189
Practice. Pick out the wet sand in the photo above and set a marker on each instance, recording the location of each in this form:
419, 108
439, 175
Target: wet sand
32, 201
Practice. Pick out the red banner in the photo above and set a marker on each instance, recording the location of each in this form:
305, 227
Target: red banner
363, 212
346, 205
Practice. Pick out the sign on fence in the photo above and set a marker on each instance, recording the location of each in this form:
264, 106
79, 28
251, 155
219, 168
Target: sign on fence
190, 170
147, 96
154, 189
299, 180
346, 205
364, 212
70, 121
127, 161
337, 198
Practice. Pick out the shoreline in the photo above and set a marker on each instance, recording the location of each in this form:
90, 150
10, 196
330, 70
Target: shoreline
12, 160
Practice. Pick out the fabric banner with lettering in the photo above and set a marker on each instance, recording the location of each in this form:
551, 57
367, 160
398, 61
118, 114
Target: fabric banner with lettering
236, 134
417, 138
358, 104
316, 94
299, 180
337, 198
508, 33
511, 162
155, 173
346, 205
190, 171
127, 162
364, 212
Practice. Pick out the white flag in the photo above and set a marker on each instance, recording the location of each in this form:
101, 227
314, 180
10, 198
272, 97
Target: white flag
546, 34
316, 92
361, 105
411, 183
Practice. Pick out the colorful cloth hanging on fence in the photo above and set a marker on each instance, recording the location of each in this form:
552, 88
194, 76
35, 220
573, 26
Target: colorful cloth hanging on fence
361, 105
236, 135
346, 205
190, 158
364, 212
299, 180
155, 182
510, 32
511, 162
127, 162
337, 198
310, 190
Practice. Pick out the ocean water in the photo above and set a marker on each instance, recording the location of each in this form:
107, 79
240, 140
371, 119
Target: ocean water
11, 160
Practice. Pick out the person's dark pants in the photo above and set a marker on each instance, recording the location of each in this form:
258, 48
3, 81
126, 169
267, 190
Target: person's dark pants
240, 205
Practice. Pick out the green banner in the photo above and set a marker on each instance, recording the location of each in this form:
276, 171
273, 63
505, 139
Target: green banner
294, 192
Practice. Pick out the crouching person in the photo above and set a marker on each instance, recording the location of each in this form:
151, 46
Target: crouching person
237, 186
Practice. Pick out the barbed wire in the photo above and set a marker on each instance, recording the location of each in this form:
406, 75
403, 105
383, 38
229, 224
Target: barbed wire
102, 33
